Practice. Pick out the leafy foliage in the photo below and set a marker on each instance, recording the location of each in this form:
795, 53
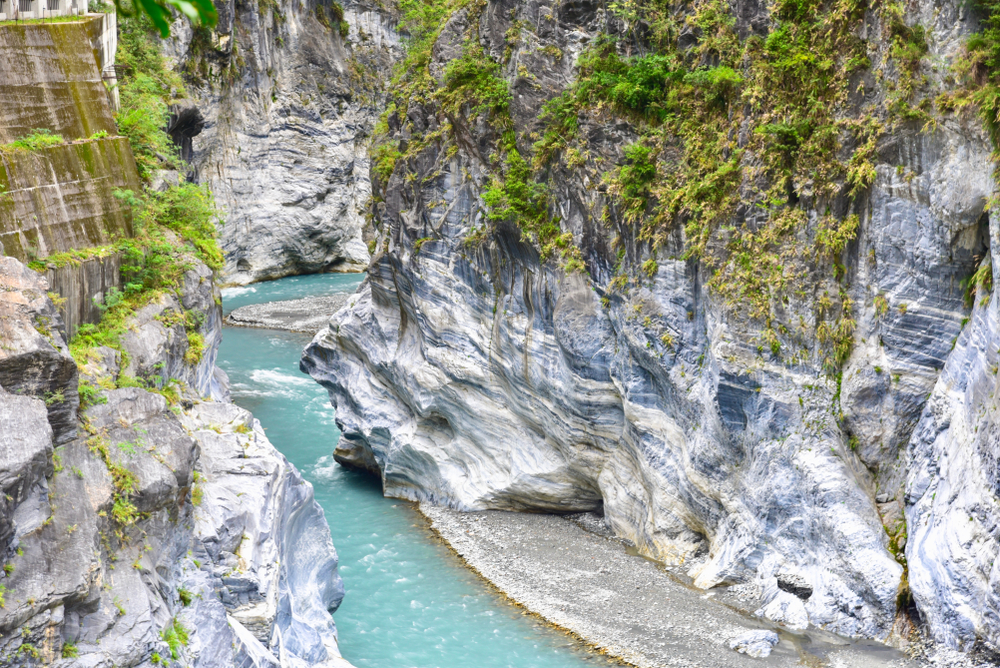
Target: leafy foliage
146, 88
158, 12
36, 140
176, 637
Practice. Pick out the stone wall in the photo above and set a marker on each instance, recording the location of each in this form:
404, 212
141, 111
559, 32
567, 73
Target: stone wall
61, 198
49, 79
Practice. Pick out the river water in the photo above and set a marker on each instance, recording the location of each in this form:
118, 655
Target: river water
410, 603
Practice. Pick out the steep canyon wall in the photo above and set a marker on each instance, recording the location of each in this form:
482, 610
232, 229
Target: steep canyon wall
283, 98
798, 387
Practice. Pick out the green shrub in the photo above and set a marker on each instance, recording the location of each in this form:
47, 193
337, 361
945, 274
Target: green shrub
36, 140
145, 89
176, 637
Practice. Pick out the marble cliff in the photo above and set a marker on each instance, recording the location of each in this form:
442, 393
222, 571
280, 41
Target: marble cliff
722, 271
282, 98
144, 519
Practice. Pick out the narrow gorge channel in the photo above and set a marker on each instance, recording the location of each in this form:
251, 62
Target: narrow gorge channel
409, 600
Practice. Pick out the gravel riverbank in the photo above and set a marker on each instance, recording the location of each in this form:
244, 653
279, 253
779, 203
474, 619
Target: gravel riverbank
585, 582
296, 315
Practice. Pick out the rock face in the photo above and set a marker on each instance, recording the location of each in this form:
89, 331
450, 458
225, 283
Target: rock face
287, 103
470, 371
150, 533
295, 315
952, 497
34, 359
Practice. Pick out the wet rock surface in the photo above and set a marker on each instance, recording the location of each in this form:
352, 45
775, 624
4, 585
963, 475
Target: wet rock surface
295, 315
757, 644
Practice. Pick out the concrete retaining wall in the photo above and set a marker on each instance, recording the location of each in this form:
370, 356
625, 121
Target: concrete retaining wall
50, 78
60, 198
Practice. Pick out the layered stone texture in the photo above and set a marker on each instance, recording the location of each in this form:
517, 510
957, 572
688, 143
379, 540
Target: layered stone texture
468, 372
288, 104
227, 541
34, 359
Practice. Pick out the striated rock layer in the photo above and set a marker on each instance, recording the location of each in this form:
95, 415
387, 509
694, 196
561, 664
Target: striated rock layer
223, 559
281, 108
470, 372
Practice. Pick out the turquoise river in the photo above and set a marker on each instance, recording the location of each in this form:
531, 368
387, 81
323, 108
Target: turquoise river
410, 602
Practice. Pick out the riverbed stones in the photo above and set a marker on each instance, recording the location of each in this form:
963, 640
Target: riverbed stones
757, 644
627, 606
310, 314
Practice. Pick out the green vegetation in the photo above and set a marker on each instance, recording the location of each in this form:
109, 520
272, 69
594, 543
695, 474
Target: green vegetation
981, 282
332, 18
146, 89
752, 147
173, 228
74, 256
29, 649
159, 13
36, 140
124, 482
176, 637
185, 596
979, 72
69, 651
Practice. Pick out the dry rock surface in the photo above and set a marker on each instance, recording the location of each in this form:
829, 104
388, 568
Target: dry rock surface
277, 125
140, 520
472, 371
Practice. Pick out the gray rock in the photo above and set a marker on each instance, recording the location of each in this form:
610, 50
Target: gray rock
82, 568
34, 359
296, 315
757, 644
158, 343
952, 499
477, 376
795, 584
25, 458
287, 107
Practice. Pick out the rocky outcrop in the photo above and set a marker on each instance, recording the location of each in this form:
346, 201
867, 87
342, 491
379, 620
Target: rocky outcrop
34, 359
165, 529
310, 314
952, 496
288, 100
471, 371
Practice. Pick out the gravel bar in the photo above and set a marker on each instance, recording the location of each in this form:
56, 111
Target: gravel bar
295, 315
584, 581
